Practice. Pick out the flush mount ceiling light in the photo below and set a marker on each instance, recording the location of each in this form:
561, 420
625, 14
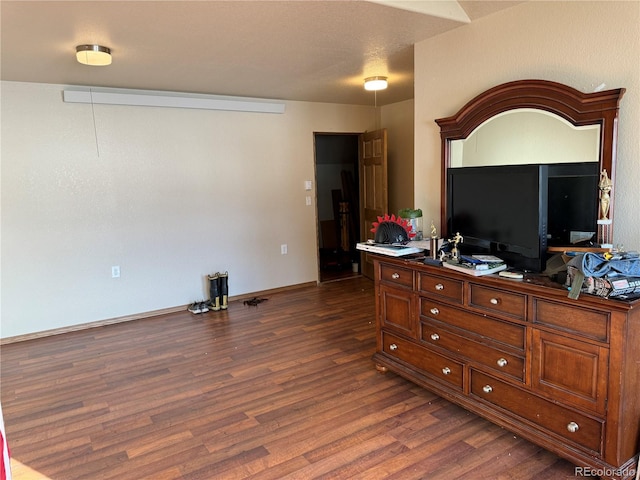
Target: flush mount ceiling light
94, 55
375, 83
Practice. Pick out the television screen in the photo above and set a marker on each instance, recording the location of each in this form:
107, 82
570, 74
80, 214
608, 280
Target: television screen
501, 210
573, 203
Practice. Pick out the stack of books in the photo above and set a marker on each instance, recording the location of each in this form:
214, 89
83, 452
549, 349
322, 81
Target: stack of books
392, 250
476, 265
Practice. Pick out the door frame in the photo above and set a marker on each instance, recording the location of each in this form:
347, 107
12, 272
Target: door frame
357, 196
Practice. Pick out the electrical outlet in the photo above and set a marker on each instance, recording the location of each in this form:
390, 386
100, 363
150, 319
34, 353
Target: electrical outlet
283, 249
115, 271
307, 184
307, 200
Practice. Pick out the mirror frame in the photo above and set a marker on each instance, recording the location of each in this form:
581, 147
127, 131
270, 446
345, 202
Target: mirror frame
598, 108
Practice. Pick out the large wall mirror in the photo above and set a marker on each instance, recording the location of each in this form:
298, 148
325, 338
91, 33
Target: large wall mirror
535, 122
526, 135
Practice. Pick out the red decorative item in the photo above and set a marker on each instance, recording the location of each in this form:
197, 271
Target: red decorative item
405, 224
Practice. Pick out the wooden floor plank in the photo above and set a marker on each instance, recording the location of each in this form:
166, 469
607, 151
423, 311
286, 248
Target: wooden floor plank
286, 389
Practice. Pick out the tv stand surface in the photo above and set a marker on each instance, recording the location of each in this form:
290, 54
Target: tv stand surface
559, 372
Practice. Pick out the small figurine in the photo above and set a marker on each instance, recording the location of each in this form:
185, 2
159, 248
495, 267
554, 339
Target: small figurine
605, 187
433, 242
455, 253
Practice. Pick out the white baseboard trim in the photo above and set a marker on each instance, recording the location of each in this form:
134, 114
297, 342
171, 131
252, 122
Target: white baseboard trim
139, 316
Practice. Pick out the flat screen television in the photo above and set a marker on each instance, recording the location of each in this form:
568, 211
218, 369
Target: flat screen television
573, 204
501, 210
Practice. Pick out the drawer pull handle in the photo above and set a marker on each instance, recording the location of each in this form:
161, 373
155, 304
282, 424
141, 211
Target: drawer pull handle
393, 347
434, 311
502, 362
494, 301
435, 337
395, 276
446, 371
487, 389
573, 427
439, 286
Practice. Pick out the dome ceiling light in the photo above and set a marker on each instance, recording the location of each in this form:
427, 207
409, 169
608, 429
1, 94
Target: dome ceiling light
94, 55
375, 83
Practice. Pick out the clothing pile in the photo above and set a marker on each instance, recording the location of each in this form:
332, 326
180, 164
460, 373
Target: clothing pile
605, 275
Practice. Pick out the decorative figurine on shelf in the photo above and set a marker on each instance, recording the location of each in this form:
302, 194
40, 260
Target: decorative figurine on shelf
605, 187
433, 242
455, 253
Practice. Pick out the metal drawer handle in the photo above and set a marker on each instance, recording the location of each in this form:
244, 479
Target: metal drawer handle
446, 370
502, 362
494, 301
439, 286
393, 347
434, 311
395, 276
487, 389
573, 427
435, 337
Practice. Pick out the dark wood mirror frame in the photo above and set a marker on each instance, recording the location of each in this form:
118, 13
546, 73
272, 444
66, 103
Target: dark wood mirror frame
598, 108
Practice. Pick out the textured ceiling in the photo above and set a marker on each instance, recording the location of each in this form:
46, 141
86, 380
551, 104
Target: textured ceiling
304, 50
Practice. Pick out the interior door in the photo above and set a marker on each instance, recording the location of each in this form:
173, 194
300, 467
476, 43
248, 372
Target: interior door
374, 195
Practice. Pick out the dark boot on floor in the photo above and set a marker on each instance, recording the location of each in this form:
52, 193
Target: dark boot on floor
214, 292
224, 290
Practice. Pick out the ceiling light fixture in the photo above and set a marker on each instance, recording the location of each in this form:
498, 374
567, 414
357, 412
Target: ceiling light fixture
375, 83
94, 55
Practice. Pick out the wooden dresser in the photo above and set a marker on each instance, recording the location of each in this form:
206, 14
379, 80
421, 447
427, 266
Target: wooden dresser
562, 373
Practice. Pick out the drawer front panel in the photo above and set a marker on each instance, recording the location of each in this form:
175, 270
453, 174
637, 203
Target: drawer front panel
498, 301
424, 359
497, 330
396, 310
570, 425
570, 318
505, 363
397, 276
440, 287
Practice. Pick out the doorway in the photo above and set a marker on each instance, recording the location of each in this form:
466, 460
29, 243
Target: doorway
338, 205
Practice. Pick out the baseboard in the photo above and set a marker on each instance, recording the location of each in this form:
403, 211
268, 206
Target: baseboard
139, 316
238, 298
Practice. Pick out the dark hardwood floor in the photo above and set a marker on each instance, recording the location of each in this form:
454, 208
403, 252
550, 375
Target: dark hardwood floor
286, 389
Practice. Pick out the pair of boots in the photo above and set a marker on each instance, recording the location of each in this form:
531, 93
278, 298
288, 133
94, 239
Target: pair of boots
218, 291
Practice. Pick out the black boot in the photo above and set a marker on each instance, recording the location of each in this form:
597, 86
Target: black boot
214, 292
224, 290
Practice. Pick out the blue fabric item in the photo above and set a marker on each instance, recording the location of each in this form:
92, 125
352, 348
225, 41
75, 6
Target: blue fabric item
595, 265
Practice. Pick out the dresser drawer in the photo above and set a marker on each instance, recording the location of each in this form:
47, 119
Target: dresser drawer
568, 424
571, 318
506, 363
435, 365
441, 287
397, 276
498, 301
490, 328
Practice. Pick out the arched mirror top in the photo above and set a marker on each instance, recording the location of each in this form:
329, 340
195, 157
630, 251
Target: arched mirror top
593, 115
526, 135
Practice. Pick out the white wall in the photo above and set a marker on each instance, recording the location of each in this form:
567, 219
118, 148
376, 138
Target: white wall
173, 195
581, 44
